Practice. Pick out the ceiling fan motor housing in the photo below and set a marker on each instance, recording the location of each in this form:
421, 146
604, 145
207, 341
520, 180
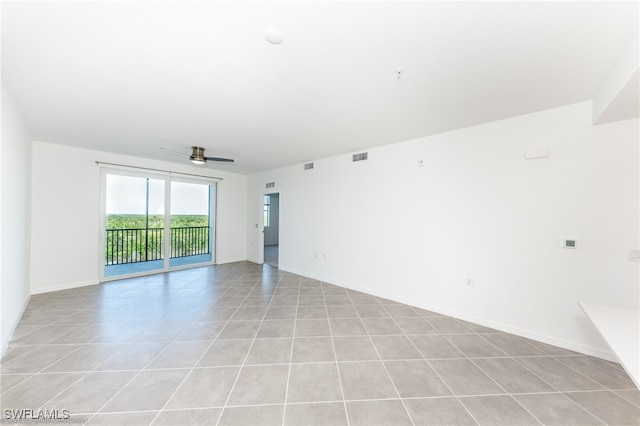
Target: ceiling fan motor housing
198, 155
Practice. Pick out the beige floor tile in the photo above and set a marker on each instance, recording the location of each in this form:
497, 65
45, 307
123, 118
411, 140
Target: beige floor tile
149, 390
607, 407
464, 378
90, 393
556, 408
269, 351
438, 411
388, 412
225, 352
266, 415
558, 375
415, 379
512, 376
250, 344
37, 390
499, 410
313, 349
204, 387
355, 348
366, 380
320, 414
258, 385
314, 383
195, 417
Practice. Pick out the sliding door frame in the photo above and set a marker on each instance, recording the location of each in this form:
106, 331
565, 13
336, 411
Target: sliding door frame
167, 177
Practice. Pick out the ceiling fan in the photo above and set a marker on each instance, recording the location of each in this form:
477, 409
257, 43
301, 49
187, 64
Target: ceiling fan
198, 157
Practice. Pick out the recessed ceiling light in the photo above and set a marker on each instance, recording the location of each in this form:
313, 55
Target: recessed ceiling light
273, 36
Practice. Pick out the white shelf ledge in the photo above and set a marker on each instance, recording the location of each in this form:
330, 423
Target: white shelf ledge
620, 328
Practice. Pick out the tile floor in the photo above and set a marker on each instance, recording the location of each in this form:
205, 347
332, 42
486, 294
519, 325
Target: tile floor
271, 255
245, 344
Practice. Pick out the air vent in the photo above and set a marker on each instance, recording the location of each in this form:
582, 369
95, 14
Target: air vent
271, 184
360, 157
308, 166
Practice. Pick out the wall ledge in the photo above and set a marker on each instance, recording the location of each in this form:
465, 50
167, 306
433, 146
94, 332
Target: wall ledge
619, 328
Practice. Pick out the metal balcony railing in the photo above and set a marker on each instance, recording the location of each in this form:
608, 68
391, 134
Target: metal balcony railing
189, 241
143, 245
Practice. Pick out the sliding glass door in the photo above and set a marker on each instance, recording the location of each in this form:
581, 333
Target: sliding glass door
139, 238
192, 229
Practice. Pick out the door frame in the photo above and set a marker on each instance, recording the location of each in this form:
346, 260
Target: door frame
167, 177
261, 226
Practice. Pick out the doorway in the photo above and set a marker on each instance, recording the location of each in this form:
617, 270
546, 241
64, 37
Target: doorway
155, 222
271, 220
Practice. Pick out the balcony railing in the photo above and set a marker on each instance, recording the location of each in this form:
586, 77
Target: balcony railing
189, 241
142, 245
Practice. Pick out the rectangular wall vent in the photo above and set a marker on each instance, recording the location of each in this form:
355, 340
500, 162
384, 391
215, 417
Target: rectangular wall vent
360, 157
308, 166
271, 185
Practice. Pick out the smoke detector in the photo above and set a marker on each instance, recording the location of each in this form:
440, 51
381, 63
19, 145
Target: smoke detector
273, 36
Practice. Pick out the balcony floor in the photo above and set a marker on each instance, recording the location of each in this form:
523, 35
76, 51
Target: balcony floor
154, 265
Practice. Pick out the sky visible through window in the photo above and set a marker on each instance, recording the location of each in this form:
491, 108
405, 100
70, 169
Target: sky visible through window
127, 195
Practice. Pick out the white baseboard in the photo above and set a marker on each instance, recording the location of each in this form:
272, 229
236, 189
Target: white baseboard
64, 287
529, 334
12, 329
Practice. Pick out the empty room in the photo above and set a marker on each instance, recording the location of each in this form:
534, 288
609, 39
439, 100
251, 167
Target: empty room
320, 213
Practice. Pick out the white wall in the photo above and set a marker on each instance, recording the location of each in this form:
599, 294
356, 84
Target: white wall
15, 181
477, 210
65, 213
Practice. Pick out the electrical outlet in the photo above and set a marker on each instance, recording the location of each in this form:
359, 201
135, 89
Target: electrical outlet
469, 282
634, 255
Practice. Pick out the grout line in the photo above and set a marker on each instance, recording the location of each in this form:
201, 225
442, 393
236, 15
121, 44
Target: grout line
559, 359
293, 343
248, 350
433, 369
149, 363
586, 408
241, 277
382, 361
335, 355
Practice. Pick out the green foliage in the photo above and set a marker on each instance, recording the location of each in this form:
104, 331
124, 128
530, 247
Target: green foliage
139, 244
138, 221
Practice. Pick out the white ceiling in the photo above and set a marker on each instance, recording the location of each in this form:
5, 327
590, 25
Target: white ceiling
132, 77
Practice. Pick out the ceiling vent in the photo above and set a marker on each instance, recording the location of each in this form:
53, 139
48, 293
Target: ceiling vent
308, 166
360, 157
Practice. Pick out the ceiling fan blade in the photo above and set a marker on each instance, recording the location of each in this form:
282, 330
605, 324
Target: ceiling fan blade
220, 159
170, 151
